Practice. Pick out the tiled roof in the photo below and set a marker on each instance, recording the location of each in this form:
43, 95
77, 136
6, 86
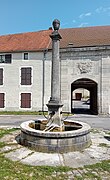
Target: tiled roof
37, 41
88, 36
32, 41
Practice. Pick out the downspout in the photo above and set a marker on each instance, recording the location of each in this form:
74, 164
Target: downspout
101, 71
43, 78
43, 74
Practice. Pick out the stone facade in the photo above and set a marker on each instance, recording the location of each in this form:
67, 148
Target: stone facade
91, 63
82, 67
12, 81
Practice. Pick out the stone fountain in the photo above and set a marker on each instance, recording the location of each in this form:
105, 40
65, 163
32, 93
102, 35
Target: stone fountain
54, 134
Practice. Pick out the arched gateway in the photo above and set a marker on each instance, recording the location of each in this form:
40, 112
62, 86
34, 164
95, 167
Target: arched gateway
89, 85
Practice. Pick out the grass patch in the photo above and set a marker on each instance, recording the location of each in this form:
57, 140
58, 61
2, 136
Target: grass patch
103, 165
108, 133
6, 131
103, 145
29, 113
94, 131
14, 170
22, 113
2, 144
78, 178
91, 175
94, 171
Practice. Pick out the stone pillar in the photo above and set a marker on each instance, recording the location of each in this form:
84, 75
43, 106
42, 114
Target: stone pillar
54, 105
55, 75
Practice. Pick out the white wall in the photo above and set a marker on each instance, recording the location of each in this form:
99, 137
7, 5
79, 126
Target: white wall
98, 69
12, 87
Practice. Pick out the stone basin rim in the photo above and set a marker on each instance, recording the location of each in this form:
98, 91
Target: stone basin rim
85, 129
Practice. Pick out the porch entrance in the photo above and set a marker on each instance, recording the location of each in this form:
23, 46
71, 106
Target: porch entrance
84, 96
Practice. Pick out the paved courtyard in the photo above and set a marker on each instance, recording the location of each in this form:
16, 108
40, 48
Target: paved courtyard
97, 152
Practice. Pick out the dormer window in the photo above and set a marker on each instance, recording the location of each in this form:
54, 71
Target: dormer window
26, 56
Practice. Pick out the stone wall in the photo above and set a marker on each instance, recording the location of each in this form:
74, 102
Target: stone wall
76, 63
12, 78
92, 63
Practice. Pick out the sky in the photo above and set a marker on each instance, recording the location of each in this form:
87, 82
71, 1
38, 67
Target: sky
18, 16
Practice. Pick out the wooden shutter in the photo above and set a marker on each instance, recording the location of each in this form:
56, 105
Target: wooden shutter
26, 76
25, 100
2, 96
1, 76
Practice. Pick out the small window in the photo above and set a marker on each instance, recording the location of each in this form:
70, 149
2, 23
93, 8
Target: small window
5, 58
8, 58
1, 76
25, 100
26, 76
2, 100
2, 58
25, 56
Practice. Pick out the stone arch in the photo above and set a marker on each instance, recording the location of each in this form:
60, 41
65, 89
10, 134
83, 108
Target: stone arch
91, 86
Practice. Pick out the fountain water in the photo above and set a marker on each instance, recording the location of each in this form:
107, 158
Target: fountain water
54, 134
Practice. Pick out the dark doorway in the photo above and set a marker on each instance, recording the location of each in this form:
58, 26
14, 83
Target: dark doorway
88, 106
78, 96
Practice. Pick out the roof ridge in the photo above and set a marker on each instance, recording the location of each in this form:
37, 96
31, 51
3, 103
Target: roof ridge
40, 31
87, 27
40, 40
44, 30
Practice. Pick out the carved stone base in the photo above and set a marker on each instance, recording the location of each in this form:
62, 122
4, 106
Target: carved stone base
54, 116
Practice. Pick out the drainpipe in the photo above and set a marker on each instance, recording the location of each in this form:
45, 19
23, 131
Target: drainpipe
101, 71
43, 77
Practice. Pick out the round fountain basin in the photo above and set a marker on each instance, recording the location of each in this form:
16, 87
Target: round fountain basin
71, 139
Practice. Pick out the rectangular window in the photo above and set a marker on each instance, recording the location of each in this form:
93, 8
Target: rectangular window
26, 76
5, 58
2, 58
1, 76
25, 56
25, 100
2, 100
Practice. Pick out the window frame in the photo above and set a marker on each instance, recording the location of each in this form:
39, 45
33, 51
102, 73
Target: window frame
4, 98
4, 58
20, 101
2, 76
20, 81
23, 56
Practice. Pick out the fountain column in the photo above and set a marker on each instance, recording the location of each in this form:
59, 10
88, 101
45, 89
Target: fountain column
54, 105
46, 136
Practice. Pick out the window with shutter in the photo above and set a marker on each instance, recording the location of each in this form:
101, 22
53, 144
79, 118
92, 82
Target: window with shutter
25, 100
1, 76
26, 75
2, 96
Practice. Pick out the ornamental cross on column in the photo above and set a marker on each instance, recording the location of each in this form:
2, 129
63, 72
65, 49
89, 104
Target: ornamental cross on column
54, 105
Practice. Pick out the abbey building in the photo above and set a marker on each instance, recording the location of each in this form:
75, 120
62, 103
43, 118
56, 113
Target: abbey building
25, 69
